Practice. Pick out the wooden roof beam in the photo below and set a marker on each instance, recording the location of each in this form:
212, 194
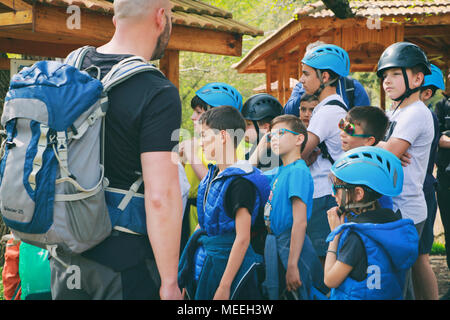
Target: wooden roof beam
16, 5
35, 48
16, 19
96, 29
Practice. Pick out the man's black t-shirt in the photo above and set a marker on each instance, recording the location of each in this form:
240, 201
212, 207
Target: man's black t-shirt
143, 113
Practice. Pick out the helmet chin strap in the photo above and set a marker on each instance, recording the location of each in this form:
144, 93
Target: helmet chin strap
345, 207
408, 91
322, 85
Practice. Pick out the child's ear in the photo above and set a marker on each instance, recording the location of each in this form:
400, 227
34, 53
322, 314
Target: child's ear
300, 139
370, 141
418, 79
359, 194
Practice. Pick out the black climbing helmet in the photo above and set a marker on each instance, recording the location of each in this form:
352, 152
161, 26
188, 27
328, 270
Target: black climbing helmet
261, 106
403, 55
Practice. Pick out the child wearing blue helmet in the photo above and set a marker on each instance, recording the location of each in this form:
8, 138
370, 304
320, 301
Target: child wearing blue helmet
370, 248
322, 67
212, 95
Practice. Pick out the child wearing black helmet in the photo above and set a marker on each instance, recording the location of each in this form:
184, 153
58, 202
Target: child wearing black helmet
403, 66
258, 111
370, 248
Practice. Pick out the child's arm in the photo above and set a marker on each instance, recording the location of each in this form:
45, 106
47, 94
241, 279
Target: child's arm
311, 144
298, 232
396, 145
240, 246
335, 271
263, 145
188, 154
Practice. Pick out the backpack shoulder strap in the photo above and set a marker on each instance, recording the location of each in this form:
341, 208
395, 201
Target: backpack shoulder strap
75, 58
322, 146
124, 70
350, 91
337, 103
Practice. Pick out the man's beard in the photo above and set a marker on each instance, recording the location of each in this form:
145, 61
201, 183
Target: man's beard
162, 42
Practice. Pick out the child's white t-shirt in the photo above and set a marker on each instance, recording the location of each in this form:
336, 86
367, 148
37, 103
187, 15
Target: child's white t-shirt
413, 124
324, 124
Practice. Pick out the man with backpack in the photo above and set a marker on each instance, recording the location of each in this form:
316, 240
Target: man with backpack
109, 238
143, 113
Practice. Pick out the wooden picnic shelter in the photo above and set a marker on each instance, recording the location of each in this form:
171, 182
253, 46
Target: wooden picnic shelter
45, 28
374, 26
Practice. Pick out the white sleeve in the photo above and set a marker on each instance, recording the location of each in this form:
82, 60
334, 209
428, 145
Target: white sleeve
408, 125
318, 125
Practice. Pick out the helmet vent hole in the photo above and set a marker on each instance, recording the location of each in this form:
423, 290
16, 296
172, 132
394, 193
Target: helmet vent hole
354, 156
367, 155
388, 164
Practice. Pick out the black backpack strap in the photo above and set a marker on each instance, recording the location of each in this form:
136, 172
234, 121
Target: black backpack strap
322, 146
350, 91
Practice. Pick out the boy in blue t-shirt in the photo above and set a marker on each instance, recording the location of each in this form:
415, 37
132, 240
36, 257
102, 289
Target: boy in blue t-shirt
286, 214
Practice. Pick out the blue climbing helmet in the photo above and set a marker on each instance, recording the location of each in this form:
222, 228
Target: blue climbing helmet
328, 56
436, 78
373, 167
218, 94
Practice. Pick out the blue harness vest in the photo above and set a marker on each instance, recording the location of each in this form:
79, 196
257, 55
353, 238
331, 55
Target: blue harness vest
211, 196
212, 216
391, 249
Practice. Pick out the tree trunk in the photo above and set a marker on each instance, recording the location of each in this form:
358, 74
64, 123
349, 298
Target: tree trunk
341, 8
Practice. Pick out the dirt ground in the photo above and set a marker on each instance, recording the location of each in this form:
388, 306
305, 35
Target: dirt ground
439, 263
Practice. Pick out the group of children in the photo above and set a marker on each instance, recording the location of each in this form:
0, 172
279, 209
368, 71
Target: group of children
288, 207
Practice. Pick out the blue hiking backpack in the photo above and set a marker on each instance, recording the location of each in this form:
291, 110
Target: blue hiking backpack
52, 183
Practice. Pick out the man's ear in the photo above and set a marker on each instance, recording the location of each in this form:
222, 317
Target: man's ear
160, 19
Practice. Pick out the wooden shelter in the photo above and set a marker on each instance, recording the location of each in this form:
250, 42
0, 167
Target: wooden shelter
375, 25
46, 28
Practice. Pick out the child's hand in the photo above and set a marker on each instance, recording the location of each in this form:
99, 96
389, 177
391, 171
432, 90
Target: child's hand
333, 218
405, 159
293, 281
222, 293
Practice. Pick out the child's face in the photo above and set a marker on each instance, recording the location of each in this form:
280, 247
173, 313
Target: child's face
198, 111
394, 83
250, 132
210, 142
306, 109
353, 140
309, 79
282, 141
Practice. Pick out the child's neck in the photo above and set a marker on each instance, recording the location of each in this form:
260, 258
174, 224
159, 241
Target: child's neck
291, 157
410, 100
326, 92
227, 161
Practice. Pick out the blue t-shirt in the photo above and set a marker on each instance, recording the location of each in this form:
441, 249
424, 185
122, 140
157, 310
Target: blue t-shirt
293, 180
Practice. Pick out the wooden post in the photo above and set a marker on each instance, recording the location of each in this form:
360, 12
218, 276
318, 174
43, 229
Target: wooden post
170, 66
269, 77
280, 79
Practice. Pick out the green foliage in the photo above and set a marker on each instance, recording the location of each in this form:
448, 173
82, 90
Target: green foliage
438, 249
197, 69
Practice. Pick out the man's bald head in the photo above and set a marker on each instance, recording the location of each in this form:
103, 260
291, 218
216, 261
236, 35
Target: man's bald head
126, 9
